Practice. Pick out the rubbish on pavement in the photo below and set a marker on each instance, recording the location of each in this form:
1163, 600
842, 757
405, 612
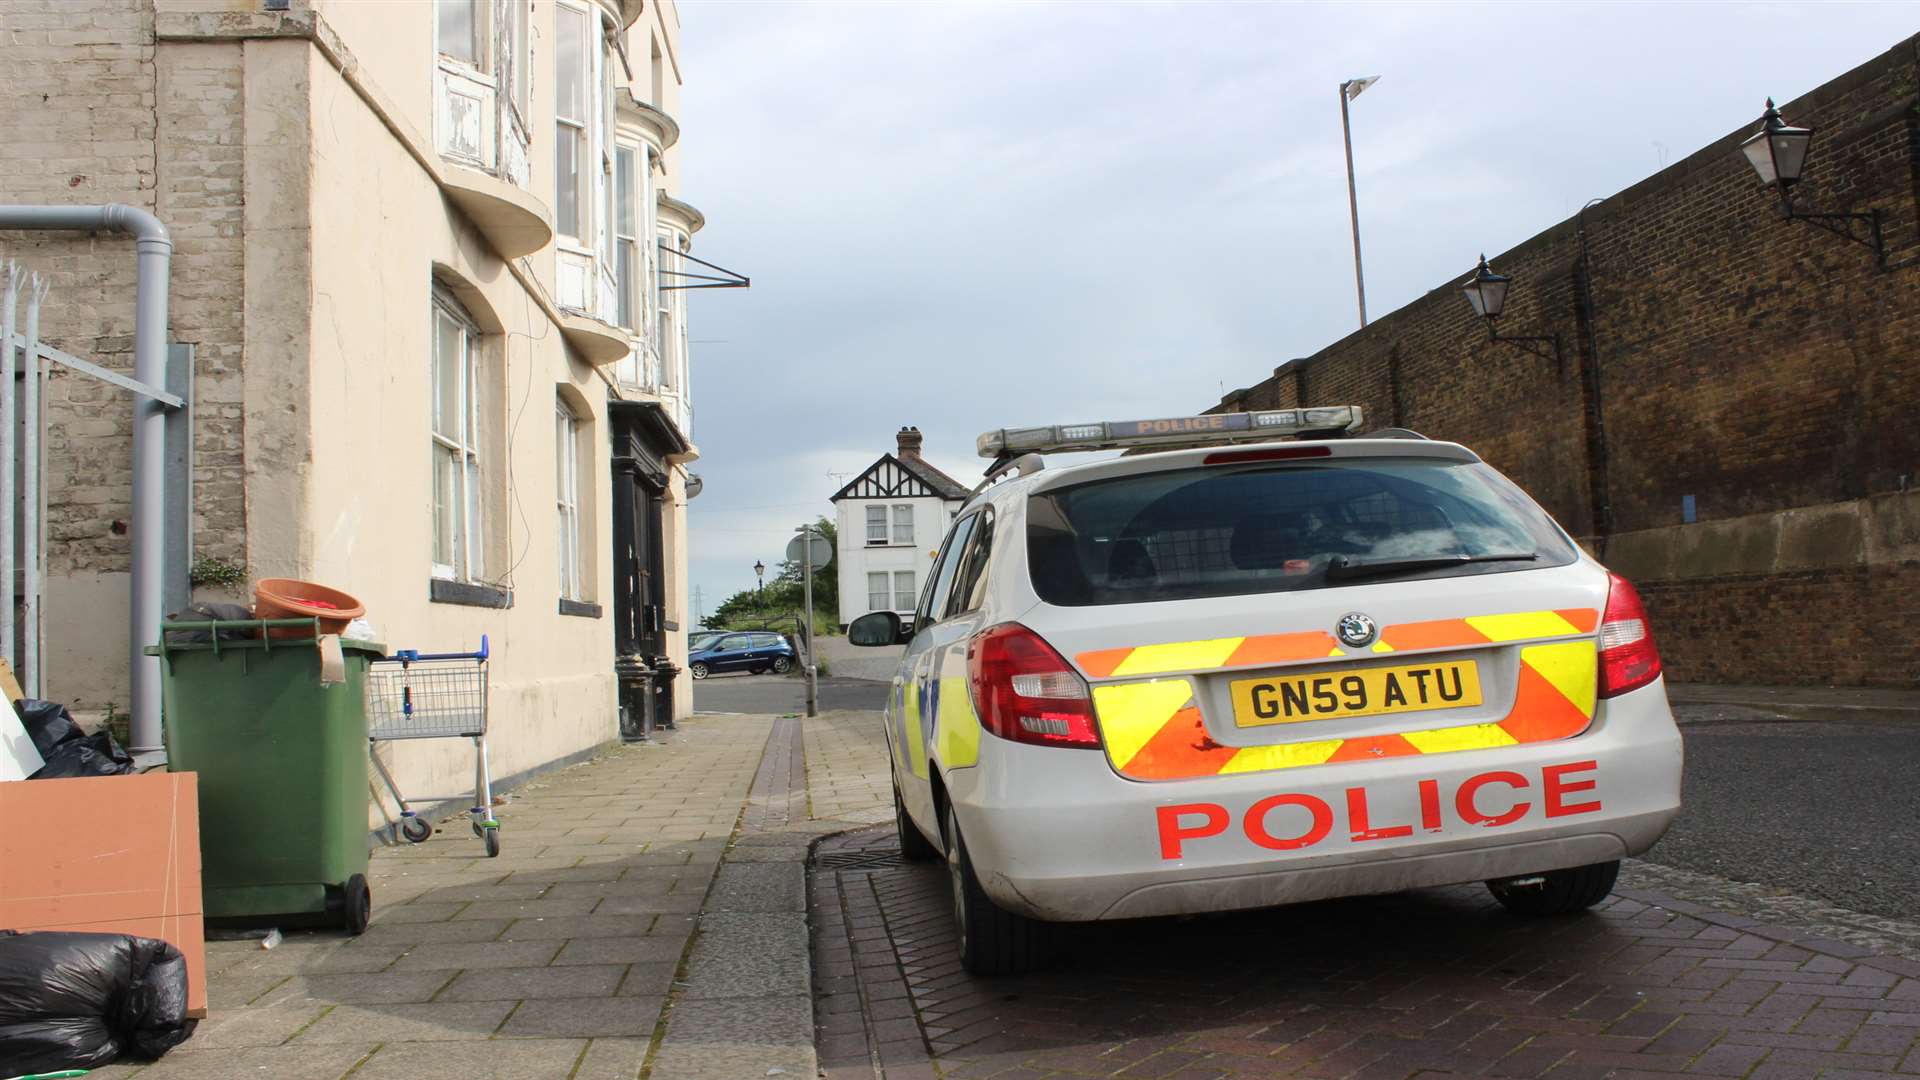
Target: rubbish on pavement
69, 751
286, 598
268, 937
211, 611
71, 1000
118, 854
20, 757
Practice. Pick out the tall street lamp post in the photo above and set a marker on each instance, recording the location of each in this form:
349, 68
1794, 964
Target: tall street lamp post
759, 580
1349, 90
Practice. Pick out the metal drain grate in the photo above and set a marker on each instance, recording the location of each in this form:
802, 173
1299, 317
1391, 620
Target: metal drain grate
860, 859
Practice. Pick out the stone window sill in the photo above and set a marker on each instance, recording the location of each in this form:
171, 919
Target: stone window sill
579, 608
442, 591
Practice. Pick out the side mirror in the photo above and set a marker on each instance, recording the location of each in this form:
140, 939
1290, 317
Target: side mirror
877, 628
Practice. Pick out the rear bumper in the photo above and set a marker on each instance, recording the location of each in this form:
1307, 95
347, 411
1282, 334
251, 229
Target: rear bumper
1057, 835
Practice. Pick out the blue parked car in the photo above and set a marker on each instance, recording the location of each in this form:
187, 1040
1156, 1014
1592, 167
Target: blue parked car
751, 651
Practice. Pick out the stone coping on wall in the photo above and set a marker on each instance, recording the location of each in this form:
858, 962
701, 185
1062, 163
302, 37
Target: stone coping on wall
1872, 531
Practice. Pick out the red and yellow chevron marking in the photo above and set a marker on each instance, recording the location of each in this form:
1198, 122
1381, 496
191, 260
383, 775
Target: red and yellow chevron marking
1267, 649
1153, 730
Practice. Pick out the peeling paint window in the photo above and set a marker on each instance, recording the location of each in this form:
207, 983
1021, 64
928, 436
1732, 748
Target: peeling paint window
457, 511
572, 73
463, 30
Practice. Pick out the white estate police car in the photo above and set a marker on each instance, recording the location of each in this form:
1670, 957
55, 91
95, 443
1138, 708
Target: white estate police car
1250, 672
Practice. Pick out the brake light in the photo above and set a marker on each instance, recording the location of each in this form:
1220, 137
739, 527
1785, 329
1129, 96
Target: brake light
1278, 453
1026, 692
1628, 658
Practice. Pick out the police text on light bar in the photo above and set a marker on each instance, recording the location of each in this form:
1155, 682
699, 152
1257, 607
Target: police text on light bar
1173, 431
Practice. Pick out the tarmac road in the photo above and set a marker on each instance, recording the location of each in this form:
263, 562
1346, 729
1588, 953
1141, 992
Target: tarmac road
780, 695
1827, 809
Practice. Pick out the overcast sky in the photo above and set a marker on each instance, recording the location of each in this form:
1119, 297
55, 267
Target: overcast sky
970, 216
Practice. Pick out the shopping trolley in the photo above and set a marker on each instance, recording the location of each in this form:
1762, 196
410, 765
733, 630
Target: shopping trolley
416, 695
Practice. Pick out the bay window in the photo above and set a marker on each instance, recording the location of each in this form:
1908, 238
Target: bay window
480, 84
627, 271
572, 75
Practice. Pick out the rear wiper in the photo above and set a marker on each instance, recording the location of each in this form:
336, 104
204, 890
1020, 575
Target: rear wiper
1341, 567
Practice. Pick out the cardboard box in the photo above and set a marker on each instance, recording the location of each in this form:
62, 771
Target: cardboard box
112, 854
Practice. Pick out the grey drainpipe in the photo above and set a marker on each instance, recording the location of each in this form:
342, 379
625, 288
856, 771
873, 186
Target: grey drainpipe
153, 249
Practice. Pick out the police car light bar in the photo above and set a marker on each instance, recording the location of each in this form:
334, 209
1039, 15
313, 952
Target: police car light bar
1182, 431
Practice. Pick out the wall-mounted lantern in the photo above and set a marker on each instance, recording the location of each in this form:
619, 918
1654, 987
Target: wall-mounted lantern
1487, 292
1778, 152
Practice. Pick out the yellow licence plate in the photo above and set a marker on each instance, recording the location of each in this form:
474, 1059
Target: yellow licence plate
1371, 692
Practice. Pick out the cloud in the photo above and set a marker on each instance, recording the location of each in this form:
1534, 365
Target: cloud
967, 216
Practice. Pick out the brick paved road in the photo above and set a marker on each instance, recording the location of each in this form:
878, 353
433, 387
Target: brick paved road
1435, 982
1438, 982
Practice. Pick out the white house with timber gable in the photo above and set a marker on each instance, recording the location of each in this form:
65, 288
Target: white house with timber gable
891, 520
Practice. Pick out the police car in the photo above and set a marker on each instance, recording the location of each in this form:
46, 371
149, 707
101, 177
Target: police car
1272, 662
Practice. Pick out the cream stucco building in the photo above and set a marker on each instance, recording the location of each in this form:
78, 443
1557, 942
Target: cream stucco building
425, 253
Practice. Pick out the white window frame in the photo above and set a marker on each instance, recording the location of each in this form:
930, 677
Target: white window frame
905, 596
902, 515
566, 498
628, 268
577, 130
461, 441
884, 594
879, 522
483, 13
666, 328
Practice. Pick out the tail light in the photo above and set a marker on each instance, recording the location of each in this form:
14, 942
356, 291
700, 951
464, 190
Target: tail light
1026, 692
1628, 658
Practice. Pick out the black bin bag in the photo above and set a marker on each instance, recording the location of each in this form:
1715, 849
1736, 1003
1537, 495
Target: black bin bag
68, 750
81, 1001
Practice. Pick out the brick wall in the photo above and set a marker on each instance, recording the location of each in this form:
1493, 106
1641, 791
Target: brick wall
1708, 349
92, 110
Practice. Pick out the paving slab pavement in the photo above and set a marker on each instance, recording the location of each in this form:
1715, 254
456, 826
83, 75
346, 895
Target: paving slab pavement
557, 959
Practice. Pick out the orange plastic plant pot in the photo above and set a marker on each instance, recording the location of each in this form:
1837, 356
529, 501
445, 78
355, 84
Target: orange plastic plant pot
286, 598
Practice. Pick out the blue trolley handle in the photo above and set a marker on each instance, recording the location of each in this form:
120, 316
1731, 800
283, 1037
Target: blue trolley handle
411, 655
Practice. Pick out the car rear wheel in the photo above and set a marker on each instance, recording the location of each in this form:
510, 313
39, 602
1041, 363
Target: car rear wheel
1556, 892
697, 670
993, 941
782, 665
914, 845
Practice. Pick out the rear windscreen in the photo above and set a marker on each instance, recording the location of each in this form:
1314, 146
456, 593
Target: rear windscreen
1227, 530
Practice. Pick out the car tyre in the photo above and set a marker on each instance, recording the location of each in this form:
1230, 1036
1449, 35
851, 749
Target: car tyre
914, 845
697, 669
1562, 892
993, 940
782, 665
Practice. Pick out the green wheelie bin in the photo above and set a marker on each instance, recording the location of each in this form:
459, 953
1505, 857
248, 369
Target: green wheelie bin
283, 768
